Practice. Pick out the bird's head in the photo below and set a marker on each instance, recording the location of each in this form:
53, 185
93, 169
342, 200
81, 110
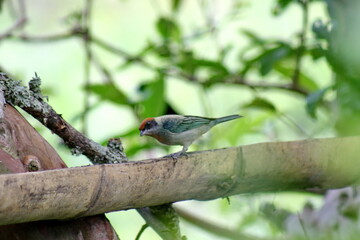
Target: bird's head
148, 127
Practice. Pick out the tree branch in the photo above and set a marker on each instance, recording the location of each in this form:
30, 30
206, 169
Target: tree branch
85, 191
33, 103
290, 87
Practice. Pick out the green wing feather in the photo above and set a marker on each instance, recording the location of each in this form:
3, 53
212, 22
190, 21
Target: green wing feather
187, 123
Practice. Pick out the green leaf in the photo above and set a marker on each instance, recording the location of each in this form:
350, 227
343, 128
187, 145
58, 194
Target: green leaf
248, 65
306, 82
281, 5
153, 103
253, 37
168, 29
186, 62
215, 78
317, 52
276, 216
267, 58
108, 92
256, 43
320, 30
129, 61
175, 5
261, 103
73, 18
214, 66
190, 64
163, 51
1, 4
271, 56
148, 48
225, 51
313, 100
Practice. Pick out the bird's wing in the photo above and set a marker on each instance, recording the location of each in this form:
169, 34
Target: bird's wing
186, 123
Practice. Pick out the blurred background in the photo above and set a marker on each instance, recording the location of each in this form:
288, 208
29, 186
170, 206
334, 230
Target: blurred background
289, 66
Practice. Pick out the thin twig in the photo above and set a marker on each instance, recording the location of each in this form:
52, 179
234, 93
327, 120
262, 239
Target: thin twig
87, 63
109, 78
303, 227
236, 79
213, 228
288, 121
143, 228
301, 48
115, 50
44, 39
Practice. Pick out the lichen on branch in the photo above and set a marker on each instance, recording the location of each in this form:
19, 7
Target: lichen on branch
32, 101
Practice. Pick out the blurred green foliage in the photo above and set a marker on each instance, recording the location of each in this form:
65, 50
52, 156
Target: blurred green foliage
272, 74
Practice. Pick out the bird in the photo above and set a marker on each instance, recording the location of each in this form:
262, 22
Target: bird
179, 129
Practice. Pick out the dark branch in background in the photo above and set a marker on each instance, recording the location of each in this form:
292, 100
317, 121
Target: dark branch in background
79, 32
232, 79
213, 228
117, 51
302, 44
143, 228
237, 79
46, 38
291, 87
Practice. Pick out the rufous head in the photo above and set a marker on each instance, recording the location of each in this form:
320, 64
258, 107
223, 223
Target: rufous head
146, 125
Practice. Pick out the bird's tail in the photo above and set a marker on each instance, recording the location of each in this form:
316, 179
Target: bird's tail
227, 118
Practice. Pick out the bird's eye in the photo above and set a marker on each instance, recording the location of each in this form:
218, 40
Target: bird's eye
149, 124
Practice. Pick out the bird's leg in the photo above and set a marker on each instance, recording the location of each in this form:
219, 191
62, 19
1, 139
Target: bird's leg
183, 151
178, 154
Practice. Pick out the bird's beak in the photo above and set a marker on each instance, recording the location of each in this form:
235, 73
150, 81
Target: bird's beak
142, 133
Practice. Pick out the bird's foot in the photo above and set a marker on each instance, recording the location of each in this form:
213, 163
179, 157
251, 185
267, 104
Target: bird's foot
176, 155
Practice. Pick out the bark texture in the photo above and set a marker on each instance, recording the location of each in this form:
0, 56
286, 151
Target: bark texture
91, 190
22, 149
33, 102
